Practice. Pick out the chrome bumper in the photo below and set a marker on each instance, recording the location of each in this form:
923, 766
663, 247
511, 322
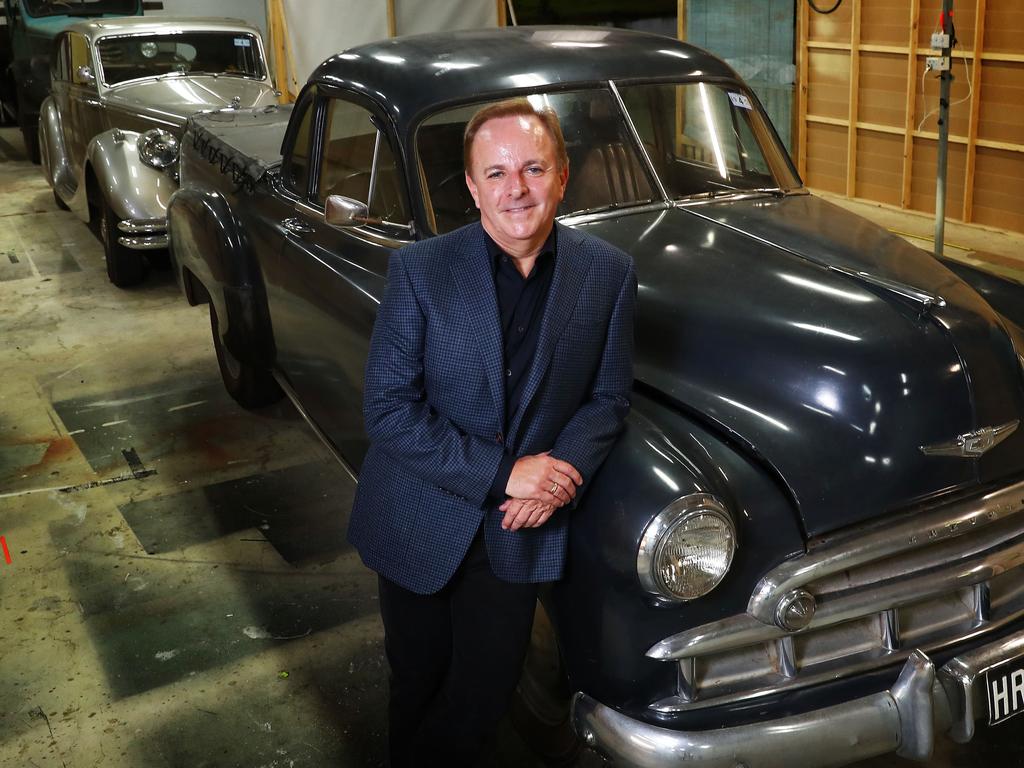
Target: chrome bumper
905, 719
143, 234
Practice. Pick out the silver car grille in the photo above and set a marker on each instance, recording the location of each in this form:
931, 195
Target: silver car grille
928, 579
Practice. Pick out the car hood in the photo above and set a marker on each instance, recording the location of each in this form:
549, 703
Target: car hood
803, 331
176, 98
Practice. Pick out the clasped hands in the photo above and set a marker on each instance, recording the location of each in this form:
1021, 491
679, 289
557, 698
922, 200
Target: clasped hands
539, 484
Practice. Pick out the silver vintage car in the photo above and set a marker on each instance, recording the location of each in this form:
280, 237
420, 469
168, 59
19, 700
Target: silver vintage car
122, 90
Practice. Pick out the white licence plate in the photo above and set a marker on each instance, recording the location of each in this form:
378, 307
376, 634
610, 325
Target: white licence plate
1005, 687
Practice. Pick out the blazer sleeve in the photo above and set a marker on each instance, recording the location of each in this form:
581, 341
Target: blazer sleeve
588, 437
399, 420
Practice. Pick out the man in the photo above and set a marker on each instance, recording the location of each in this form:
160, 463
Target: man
498, 377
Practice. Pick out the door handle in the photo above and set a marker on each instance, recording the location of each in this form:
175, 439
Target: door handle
93, 103
297, 226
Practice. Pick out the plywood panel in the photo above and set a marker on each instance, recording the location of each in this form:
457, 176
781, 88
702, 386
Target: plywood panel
1004, 26
826, 157
999, 188
828, 83
922, 187
884, 22
879, 166
832, 27
1001, 116
928, 102
883, 83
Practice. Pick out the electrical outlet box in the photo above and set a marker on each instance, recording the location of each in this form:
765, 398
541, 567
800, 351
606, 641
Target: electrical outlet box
940, 40
938, 63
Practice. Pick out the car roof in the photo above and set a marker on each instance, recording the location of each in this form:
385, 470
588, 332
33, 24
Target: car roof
410, 75
138, 25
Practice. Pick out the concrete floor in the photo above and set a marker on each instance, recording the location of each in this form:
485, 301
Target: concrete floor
180, 592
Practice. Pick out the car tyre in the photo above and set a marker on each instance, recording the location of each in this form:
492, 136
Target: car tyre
249, 385
125, 267
540, 707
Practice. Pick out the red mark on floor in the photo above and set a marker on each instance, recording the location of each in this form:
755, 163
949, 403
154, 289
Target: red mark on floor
7, 554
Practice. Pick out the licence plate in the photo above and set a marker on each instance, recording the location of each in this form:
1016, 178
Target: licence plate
1005, 687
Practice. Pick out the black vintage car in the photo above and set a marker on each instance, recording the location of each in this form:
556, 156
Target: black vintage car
806, 547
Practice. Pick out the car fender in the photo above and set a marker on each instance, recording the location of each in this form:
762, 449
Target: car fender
604, 618
56, 164
212, 261
1004, 294
134, 190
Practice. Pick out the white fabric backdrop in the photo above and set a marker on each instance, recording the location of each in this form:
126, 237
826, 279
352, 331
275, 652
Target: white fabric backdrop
318, 29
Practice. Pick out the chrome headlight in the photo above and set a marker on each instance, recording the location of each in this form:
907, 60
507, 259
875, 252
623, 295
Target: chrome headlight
158, 149
687, 549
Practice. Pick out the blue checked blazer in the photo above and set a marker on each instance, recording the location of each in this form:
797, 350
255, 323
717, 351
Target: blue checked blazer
434, 404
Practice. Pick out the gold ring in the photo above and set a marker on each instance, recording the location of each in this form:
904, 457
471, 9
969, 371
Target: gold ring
554, 487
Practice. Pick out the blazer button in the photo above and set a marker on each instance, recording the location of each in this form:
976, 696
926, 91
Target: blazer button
500, 438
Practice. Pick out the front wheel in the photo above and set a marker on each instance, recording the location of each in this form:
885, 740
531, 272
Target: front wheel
125, 267
249, 385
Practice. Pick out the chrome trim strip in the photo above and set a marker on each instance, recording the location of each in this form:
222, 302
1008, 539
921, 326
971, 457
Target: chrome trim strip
573, 219
741, 630
905, 719
636, 138
844, 552
142, 226
146, 243
916, 295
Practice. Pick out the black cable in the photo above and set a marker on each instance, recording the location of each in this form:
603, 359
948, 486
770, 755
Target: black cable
824, 13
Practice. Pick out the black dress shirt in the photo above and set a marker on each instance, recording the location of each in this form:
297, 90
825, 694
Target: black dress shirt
521, 303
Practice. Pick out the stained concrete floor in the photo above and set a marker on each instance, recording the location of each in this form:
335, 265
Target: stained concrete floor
180, 593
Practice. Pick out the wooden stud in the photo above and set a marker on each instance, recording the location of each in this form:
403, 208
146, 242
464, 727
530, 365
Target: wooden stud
802, 53
501, 13
851, 138
681, 20
908, 124
972, 129
392, 24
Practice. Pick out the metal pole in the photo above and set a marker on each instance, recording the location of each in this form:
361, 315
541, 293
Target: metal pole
945, 81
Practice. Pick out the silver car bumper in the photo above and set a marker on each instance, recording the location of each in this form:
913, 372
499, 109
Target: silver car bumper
143, 234
905, 719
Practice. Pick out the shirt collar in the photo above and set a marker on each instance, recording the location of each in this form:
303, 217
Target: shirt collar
495, 252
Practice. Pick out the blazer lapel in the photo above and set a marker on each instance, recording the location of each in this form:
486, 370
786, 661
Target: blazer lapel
572, 262
475, 280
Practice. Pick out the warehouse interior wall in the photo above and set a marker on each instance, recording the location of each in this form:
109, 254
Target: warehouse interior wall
867, 109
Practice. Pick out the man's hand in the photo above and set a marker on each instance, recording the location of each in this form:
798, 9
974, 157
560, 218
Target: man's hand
525, 513
543, 478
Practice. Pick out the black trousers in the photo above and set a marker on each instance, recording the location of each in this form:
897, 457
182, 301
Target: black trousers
455, 659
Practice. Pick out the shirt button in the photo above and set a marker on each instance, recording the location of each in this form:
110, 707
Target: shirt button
504, 259
508, 372
521, 329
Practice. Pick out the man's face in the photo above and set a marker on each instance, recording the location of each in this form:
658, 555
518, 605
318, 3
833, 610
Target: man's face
515, 181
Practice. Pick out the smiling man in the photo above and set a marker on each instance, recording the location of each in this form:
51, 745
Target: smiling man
498, 378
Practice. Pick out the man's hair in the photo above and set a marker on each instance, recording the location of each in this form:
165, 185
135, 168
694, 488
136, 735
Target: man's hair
515, 108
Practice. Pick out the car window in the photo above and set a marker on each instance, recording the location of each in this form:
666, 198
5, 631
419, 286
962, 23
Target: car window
605, 165
703, 137
296, 166
221, 53
79, 58
61, 69
358, 163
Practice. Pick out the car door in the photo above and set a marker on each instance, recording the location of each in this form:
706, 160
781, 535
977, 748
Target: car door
331, 279
84, 103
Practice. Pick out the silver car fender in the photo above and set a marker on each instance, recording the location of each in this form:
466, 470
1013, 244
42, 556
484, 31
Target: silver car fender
134, 190
55, 164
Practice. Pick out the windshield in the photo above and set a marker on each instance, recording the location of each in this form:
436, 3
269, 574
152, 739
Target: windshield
702, 139
138, 56
41, 8
706, 139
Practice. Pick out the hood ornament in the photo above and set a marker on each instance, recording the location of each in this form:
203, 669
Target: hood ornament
973, 444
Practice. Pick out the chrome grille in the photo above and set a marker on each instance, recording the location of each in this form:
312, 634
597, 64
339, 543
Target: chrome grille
926, 579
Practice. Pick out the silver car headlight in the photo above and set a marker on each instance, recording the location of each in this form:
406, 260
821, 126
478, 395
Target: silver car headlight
158, 149
687, 549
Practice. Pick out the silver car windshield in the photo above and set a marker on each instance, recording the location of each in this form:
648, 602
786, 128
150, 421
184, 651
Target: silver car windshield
134, 57
703, 141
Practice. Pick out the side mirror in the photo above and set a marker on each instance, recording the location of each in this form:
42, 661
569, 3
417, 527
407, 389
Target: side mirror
85, 74
341, 211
